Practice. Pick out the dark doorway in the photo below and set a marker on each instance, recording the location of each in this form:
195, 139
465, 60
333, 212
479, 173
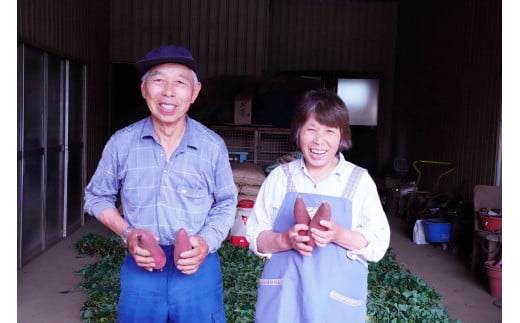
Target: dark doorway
128, 105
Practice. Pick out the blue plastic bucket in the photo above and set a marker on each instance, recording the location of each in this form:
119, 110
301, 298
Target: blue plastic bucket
437, 230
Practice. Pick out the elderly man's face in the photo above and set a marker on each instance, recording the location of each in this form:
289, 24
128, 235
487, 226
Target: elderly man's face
169, 91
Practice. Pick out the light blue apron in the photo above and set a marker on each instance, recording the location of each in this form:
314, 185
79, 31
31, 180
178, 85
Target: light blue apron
328, 287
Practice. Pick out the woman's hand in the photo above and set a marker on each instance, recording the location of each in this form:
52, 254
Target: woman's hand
298, 242
348, 239
323, 237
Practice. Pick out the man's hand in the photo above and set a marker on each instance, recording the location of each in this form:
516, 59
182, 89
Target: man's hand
141, 256
190, 261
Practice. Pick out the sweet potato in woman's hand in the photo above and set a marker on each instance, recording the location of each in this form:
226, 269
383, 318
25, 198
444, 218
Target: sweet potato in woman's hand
323, 213
182, 243
301, 216
146, 240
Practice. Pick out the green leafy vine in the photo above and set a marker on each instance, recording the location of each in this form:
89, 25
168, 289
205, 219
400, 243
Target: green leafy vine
395, 294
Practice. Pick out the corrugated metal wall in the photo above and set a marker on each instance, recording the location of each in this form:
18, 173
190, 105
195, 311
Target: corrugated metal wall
227, 37
353, 36
449, 89
346, 37
231, 37
449, 72
56, 26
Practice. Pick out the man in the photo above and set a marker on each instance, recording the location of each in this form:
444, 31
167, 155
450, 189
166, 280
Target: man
170, 172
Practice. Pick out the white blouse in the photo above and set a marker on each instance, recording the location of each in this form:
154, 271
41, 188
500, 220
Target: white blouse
368, 216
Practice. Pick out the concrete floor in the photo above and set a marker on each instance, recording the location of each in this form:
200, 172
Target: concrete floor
466, 296
47, 285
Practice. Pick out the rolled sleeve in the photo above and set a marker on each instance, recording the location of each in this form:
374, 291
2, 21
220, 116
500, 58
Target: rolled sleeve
101, 192
377, 244
266, 208
372, 222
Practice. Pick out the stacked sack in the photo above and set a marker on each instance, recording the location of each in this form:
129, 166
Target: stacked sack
248, 178
289, 157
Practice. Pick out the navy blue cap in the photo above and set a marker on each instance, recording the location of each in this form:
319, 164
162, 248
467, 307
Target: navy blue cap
166, 54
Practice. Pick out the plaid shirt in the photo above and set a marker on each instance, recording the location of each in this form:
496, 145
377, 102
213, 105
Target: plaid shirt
194, 189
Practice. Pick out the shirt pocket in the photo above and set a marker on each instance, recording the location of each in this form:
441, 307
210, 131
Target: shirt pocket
195, 203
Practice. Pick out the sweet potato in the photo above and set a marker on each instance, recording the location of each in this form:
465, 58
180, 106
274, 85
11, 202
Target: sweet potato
146, 240
301, 216
182, 243
323, 213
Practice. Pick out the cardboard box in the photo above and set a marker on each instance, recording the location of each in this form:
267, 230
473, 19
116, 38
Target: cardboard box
243, 110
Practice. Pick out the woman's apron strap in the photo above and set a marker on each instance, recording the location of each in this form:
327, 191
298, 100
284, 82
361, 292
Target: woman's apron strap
353, 182
290, 184
350, 188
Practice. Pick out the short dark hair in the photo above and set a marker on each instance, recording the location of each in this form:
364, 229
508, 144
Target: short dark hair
328, 109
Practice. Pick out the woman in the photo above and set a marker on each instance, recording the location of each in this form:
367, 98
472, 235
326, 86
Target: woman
328, 282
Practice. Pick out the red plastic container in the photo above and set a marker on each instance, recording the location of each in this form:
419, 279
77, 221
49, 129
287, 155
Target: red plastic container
239, 241
238, 231
490, 223
494, 274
